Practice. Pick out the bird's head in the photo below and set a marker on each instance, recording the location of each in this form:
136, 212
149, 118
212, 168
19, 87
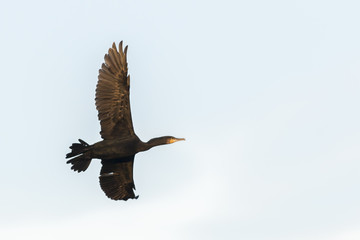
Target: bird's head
163, 140
170, 139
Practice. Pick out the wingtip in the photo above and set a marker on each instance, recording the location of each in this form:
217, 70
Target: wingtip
121, 46
114, 46
125, 50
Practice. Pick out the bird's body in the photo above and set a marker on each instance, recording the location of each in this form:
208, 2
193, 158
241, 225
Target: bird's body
122, 147
120, 143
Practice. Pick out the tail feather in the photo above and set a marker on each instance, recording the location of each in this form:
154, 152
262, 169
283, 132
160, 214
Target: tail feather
77, 148
81, 162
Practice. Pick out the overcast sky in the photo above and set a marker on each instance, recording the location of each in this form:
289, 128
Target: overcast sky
266, 94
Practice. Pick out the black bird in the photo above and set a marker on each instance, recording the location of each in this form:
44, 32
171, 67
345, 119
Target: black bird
120, 143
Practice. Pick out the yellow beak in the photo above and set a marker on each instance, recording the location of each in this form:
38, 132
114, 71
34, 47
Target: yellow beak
172, 140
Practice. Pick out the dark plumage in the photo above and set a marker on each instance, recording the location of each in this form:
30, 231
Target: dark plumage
120, 143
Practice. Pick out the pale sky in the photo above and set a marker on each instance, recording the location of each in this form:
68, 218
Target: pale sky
266, 94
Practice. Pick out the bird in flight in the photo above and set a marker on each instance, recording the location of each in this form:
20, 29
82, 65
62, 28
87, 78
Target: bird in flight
120, 143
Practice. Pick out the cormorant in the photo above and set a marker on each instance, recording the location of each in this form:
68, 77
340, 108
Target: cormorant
120, 143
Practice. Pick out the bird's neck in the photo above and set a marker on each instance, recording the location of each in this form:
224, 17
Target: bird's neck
153, 143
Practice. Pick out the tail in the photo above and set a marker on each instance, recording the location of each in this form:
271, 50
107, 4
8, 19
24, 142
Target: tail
81, 162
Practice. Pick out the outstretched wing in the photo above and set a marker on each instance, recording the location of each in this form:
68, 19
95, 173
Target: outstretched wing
112, 95
116, 178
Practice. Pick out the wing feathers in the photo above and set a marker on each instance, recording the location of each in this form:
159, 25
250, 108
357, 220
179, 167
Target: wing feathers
116, 178
114, 58
112, 95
